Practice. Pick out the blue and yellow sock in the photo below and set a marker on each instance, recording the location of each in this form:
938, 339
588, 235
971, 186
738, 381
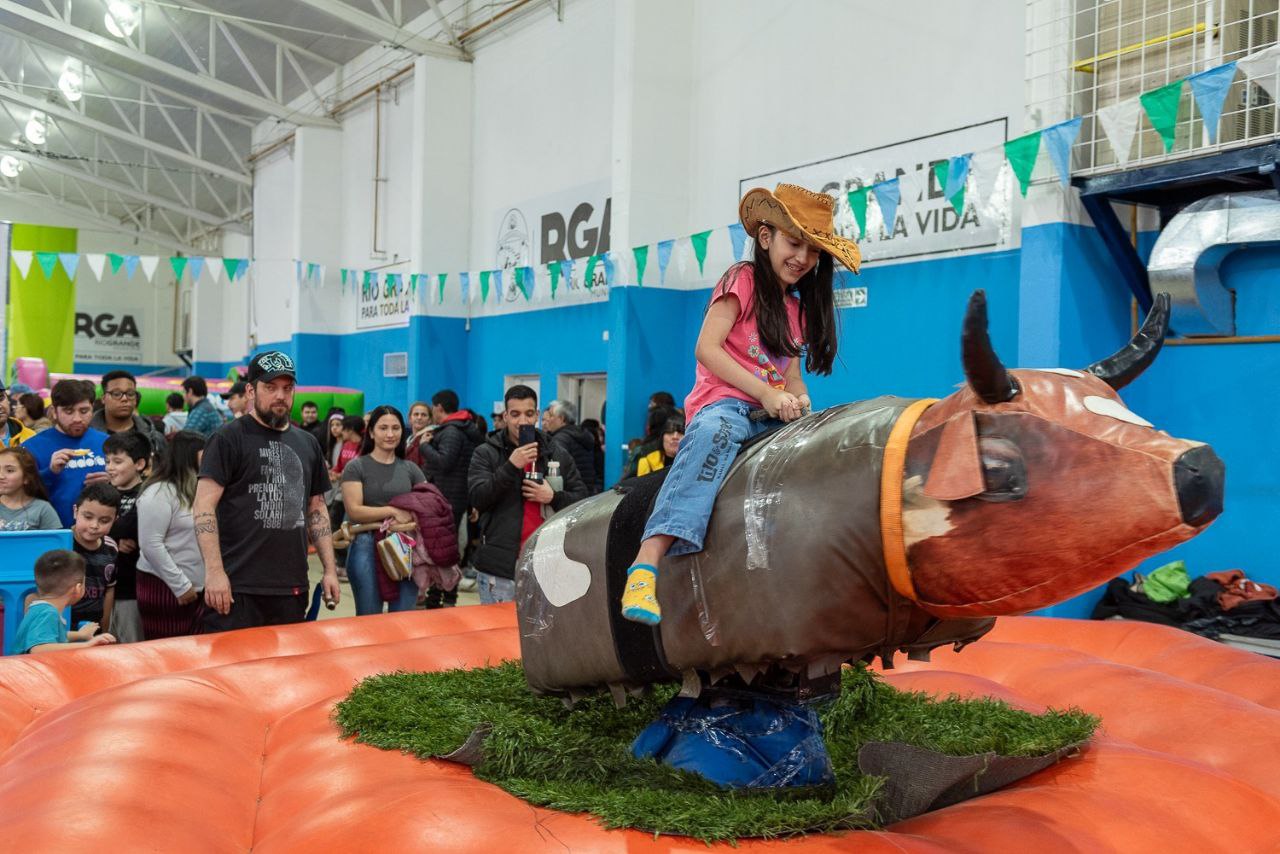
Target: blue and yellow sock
640, 598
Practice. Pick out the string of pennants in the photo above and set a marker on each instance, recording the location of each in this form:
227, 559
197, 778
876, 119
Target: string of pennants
130, 265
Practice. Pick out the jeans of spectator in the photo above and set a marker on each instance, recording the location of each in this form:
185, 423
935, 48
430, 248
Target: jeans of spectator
708, 449
362, 566
493, 589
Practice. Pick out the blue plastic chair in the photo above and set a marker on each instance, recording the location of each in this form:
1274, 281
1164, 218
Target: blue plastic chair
18, 553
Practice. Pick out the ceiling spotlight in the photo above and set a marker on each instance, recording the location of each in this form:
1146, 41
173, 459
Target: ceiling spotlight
36, 130
122, 18
10, 166
72, 80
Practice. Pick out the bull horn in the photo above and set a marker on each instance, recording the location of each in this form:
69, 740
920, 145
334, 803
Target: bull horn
982, 367
1133, 358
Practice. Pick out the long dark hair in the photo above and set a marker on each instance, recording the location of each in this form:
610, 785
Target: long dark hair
366, 446
32, 485
817, 310
179, 466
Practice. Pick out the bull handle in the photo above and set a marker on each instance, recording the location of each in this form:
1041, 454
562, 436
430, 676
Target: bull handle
347, 532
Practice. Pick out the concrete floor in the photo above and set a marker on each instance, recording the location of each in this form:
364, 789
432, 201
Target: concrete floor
346, 604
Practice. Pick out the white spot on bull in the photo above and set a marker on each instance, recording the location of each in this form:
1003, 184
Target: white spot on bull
1114, 409
922, 517
561, 578
1066, 372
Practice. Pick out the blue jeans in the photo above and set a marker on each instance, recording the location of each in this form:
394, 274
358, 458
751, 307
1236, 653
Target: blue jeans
362, 571
493, 589
709, 447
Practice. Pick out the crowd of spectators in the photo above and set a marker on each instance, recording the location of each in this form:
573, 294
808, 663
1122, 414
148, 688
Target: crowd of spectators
203, 520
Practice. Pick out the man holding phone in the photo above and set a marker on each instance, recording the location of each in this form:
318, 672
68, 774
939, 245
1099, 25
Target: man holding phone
69, 455
508, 486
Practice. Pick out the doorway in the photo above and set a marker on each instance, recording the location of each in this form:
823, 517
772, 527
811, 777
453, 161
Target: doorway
584, 391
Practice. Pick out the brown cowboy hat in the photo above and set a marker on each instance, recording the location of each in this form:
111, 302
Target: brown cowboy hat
803, 214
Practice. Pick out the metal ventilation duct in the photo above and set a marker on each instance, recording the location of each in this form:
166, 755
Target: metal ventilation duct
1192, 247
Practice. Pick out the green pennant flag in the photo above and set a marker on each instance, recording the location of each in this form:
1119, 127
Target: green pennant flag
589, 278
442, 277
940, 170
523, 275
1021, 154
554, 270
48, 263
699, 242
1162, 109
230, 265
484, 285
117, 261
641, 254
858, 204
344, 273
179, 265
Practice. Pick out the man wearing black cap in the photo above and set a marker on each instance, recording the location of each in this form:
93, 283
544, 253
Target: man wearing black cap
235, 398
259, 499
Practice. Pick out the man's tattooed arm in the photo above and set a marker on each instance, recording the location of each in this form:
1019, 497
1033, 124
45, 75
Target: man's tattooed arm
204, 514
320, 533
206, 523
318, 525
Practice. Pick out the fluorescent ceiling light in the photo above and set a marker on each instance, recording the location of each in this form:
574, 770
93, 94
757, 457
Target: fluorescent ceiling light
122, 18
36, 130
72, 80
10, 166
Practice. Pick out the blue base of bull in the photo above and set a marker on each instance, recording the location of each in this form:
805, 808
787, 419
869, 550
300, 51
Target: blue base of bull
740, 742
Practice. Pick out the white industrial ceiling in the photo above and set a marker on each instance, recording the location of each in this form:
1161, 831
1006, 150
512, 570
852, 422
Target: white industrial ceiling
159, 144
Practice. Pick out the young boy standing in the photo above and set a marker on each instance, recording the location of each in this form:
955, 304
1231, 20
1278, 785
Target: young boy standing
92, 517
59, 584
128, 458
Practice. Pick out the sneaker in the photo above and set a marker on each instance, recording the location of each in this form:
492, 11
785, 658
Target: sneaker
467, 585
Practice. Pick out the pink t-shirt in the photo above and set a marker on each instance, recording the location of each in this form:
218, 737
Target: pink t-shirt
743, 344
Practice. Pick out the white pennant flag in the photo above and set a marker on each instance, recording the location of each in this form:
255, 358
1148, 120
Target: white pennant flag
984, 172
148, 264
1120, 124
97, 262
910, 187
22, 257
1263, 68
214, 266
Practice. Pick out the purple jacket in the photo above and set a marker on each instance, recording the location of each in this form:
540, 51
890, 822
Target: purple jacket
434, 516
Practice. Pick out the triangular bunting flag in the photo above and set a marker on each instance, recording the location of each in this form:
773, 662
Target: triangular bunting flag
608, 269
1209, 88
313, 272
664, 258
940, 171
1022, 153
641, 255
888, 194
910, 192
179, 265
230, 265
215, 269
117, 261
70, 262
738, 238
566, 268
465, 279
485, 276
48, 262
1161, 106
442, 277
195, 266
984, 168
553, 270
22, 259
525, 281
957, 175
97, 262
242, 268
149, 264
858, 206
1120, 123
498, 294
1058, 139
131, 265
297, 271
588, 278
699, 243
1263, 68
343, 273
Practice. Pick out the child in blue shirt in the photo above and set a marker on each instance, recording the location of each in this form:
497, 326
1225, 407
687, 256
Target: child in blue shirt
59, 585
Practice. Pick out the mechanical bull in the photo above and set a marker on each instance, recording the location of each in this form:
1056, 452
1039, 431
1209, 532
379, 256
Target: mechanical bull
875, 527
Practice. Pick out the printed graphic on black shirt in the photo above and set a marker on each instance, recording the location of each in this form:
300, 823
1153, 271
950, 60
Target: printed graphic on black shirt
279, 499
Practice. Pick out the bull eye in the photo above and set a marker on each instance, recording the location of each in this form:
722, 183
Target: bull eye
1004, 471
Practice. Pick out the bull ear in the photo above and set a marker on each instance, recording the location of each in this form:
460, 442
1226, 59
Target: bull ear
1128, 363
956, 471
982, 367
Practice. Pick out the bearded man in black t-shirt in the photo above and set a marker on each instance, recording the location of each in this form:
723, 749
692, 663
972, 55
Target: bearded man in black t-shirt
259, 499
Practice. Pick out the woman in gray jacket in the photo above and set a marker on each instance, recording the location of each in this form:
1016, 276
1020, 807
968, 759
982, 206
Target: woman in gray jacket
170, 568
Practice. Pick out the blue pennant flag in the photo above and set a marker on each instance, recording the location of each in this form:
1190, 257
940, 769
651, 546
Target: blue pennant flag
1058, 140
497, 285
241, 269
130, 265
566, 270
70, 261
957, 174
738, 235
888, 194
195, 266
466, 287
297, 271
1209, 88
608, 268
664, 258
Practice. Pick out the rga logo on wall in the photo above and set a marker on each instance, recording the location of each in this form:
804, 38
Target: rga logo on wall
568, 226
108, 337
926, 223
383, 302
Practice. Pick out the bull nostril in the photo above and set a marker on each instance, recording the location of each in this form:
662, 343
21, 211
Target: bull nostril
1199, 476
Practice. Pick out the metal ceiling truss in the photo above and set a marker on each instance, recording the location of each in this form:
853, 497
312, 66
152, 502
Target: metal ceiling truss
206, 74
388, 28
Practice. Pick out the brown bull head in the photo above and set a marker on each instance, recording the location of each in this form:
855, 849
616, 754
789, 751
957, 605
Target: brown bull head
1027, 487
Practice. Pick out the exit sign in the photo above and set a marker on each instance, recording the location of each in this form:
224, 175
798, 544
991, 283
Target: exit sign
850, 297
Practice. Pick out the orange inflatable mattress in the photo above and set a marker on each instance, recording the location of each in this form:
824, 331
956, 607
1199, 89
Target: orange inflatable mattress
224, 743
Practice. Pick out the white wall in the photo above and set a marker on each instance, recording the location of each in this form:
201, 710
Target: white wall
272, 282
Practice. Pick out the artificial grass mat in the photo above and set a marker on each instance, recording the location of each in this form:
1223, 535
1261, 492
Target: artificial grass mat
579, 759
